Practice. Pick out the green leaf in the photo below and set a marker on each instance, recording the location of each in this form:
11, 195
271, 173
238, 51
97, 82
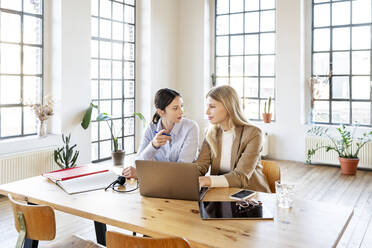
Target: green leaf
88, 116
103, 117
141, 117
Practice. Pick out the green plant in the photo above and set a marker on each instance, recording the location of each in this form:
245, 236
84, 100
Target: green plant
343, 144
114, 135
88, 116
268, 106
65, 156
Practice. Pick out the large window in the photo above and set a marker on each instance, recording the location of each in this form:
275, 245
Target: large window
21, 70
341, 58
113, 73
245, 51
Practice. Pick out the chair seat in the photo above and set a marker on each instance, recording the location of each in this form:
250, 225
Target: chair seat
74, 242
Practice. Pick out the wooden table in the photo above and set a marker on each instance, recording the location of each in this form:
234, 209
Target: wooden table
307, 224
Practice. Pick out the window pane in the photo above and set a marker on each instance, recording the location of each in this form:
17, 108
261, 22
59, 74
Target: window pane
321, 90
94, 131
361, 87
31, 89
252, 5
105, 89
128, 89
128, 32
10, 89
31, 60
251, 22
237, 84
105, 29
251, 44
222, 6
11, 4
105, 49
267, 45
117, 91
236, 66
94, 7
94, 27
267, 21
94, 48
129, 70
128, 51
129, 144
116, 110
251, 65
361, 37
105, 69
341, 39
32, 30
129, 126
251, 109
105, 149
94, 89
340, 112
105, 8
321, 39
362, 112
30, 121
267, 65
321, 63
222, 45
361, 62
321, 111
268, 4
117, 72
117, 50
11, 121
236, 45
222, 66
222, 81
236, 23
12, 55
94, 151
341, 63
321, 15
251, 87
128, 107
117, 11
94, 68
222, 24
236, 6
341, 13
117, 31
361, 11
105, 107
10, 27
267, 87
340, 87
33, 6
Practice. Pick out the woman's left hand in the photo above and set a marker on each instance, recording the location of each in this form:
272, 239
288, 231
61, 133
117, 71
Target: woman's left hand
204, 181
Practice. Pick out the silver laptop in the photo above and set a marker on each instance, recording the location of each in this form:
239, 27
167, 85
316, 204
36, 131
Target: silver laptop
168, 179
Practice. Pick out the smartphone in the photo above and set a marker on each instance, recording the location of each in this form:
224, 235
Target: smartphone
242, 194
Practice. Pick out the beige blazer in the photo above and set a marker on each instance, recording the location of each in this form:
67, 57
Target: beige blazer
246, 170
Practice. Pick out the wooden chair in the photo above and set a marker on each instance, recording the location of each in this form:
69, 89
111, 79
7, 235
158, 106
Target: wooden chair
37, 222
119, 240
272, 172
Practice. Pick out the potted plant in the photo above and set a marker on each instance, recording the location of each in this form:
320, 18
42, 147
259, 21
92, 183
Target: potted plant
117, 154
346, 145
65, 156
266, 116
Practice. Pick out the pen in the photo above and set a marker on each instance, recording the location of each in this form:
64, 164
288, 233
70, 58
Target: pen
163, 133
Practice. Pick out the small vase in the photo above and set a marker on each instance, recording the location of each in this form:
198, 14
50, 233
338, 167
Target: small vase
118, 157
42, 130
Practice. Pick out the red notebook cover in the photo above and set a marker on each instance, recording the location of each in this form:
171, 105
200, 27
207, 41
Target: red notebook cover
78, 171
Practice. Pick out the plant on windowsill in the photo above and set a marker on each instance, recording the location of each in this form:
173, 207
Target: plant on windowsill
117, 154
266, 116
346, 145
43, 112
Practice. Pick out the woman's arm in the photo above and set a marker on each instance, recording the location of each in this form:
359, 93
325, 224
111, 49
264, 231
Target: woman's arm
146, 150
204, 159
189, 148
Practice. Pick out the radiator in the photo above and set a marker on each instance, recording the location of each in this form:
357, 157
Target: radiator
22, 165
331, 157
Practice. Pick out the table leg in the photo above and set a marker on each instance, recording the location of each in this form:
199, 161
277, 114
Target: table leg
100, 232
30, 243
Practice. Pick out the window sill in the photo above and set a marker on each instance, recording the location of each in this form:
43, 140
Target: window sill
29, 143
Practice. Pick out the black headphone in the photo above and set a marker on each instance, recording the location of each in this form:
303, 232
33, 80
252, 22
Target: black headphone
121, 181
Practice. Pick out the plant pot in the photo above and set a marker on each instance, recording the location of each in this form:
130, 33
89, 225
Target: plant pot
348, 165
266, 117
118, 157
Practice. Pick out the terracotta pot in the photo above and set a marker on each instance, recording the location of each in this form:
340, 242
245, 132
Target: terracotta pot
266, 117
118, 157
348, 165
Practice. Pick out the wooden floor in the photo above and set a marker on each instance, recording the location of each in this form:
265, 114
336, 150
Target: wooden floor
317, 183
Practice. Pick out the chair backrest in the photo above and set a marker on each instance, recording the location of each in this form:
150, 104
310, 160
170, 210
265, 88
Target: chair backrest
39, 220
119, 240
272, 172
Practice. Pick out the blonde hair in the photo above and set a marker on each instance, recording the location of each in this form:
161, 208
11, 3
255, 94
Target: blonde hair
229, 98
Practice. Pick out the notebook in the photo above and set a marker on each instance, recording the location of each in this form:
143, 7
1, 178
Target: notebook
78, 171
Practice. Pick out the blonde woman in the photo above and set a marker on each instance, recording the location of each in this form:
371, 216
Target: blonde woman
232, 145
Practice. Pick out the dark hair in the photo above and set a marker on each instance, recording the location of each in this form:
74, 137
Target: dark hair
162, 99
